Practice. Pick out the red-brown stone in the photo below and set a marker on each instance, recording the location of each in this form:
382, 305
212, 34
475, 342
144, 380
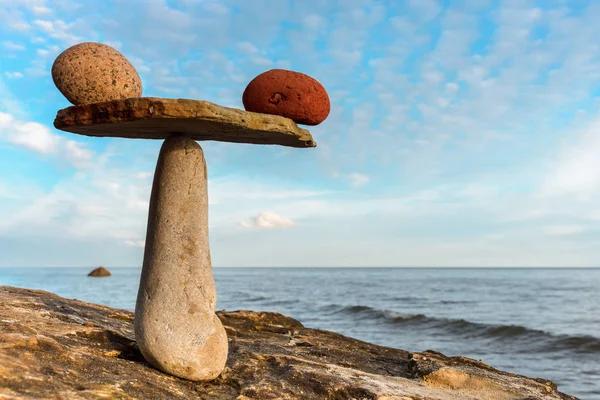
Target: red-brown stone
289, 94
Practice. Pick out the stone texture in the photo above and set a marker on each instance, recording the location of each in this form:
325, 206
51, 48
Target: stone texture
91, 72
55, 348
287, 93
175, 326
99, 272
156, 118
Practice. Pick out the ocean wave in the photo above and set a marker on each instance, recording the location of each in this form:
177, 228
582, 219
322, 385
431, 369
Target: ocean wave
249, 297
408, 298
455, 302
413, 299
257, 299
538, 340
282, 302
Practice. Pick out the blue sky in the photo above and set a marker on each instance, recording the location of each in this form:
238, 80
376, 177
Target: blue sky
462, 133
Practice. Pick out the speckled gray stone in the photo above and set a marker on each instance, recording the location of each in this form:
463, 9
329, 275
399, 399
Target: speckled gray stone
92, 72
176, 327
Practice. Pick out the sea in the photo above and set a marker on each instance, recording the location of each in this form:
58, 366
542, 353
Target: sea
536, 322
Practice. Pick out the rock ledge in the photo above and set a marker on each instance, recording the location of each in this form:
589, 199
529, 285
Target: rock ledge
56, 348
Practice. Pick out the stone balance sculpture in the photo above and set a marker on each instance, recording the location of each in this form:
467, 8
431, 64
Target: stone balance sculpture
176, 328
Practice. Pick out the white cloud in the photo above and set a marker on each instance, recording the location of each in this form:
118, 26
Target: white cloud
268, 220
8, 102
125, 235
38, 138
13, 19
115, 44
135, 243
76, 153
30, 135
576, 170
129, 238
427, 9
58, 30
314, 22
101, 203
356, 179
255, 55
247, 48
229, 188
560, 230
36, 72
13, 75
452, 86
216, 7
42, 11
18, 189
145, 175
12, 46
262, 61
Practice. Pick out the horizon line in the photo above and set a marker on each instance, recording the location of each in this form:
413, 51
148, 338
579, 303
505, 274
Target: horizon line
337, 267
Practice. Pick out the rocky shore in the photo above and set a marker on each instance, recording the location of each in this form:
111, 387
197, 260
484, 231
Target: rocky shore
56, 348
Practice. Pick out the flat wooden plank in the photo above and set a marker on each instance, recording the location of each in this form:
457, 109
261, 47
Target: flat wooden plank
157, 118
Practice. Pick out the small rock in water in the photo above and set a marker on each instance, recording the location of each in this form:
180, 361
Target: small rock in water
289, 94
99, 272
93, 72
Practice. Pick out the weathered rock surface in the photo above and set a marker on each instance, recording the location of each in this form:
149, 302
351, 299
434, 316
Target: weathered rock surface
56, 348
156, 118
99, 272
90, 72
176, 327
288, 93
